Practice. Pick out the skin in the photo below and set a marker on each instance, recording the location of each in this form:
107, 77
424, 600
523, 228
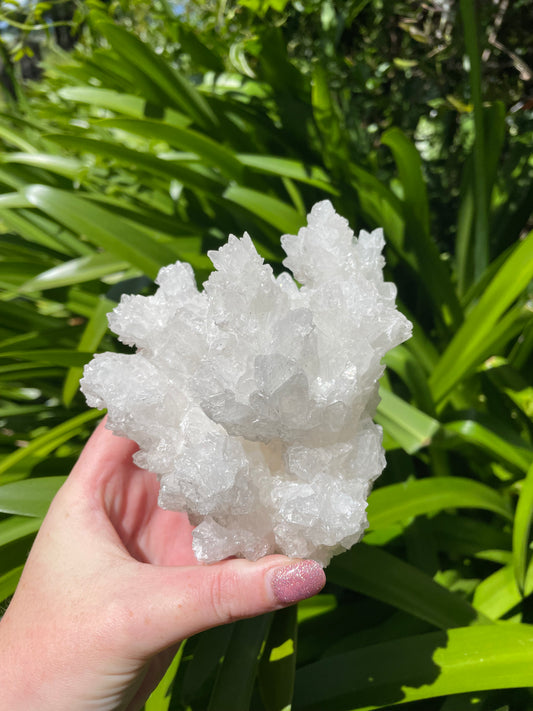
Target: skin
111, 587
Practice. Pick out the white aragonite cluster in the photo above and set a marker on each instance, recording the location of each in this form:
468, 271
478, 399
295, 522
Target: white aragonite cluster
253, 399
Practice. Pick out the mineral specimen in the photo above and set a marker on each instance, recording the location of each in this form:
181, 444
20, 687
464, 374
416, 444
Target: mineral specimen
253, 399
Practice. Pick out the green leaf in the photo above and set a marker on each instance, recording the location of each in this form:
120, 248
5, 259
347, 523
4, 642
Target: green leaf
430, 267
46, 443
19, 316
471, 232
119, 102
9, 582
400, 502
75, 271
498, 594
464, 243
202, 656
287, 168
54, 357
481, 197
326, 114
353, 9
13, 200
270, 209
92, 335
378, 574
16, 527
521, 528
511, 382
191, 42
101, 227
409, 166
468, 344
62, 165
13, 274
315, 606
24, 224
408, 367
150, 69
159, 699
26, 372
412, 429
10, 136
278, 661
486, 439
420, 667
467, 536
383, 209
235, 681
195, 176
262, 6
511, 325
212, 152
30, 497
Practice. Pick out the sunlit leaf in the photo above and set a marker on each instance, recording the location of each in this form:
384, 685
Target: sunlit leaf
75, 271
468, 343
101, 227
521, 529
415, 668
399, 502
30, 497
409, 427
93, 333
120, 102
15, 527
271, 209
46, 443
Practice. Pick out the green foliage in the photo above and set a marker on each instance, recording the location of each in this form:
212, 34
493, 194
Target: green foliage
144, 147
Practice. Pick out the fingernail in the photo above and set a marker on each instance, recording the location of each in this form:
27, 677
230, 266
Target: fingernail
297, 581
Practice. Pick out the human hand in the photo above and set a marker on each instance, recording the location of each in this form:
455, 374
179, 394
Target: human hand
111, 587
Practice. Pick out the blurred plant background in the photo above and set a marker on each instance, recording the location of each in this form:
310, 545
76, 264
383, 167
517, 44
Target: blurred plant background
136, 133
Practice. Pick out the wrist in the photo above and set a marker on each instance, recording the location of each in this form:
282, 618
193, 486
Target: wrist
17, 673
33, 674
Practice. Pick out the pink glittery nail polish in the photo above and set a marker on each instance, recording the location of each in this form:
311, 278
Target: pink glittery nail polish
297, 581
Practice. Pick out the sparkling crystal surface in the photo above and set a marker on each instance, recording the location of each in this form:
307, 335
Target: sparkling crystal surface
253, 399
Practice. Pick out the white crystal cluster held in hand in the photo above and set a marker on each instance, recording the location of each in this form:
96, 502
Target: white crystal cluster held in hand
253, 399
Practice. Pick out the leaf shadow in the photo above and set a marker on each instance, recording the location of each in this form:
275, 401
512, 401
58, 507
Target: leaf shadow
370, 676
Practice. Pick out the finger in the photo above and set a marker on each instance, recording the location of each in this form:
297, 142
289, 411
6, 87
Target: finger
105, 458
103, 449
186, 601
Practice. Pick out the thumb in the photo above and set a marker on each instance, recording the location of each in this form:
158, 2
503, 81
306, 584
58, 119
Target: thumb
187, 600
